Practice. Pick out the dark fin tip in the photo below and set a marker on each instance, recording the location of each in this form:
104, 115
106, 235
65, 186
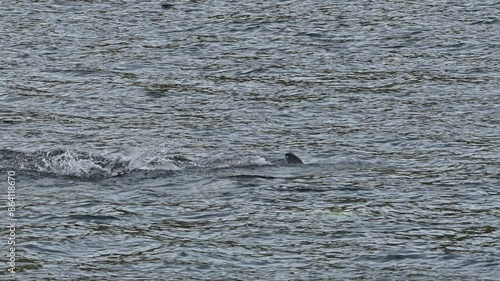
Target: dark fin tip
293, 159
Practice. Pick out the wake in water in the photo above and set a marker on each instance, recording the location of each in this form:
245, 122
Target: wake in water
63, 162
95, 165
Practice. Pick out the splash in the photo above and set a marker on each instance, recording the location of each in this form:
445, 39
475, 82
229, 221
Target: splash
65, 162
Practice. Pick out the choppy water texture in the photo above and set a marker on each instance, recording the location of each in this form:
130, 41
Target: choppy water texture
148, 139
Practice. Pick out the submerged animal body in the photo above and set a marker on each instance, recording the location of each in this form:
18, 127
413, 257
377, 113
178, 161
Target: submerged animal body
293, 159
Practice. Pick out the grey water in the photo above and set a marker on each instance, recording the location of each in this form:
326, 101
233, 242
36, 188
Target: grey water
148, 138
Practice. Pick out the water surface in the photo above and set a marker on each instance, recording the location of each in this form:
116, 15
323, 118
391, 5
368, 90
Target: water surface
148, 139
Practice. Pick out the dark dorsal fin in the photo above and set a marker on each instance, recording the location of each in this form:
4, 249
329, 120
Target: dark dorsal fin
293, 159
